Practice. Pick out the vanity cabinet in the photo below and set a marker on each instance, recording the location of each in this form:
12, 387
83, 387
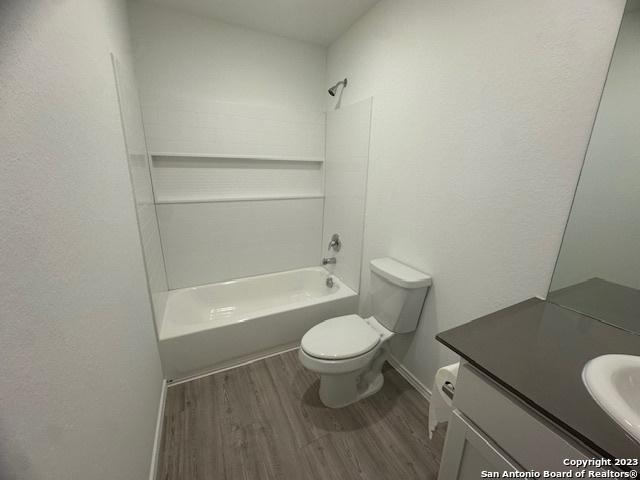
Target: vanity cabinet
467, 452
490, 430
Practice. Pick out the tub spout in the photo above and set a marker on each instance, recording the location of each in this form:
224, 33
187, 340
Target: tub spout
329, 261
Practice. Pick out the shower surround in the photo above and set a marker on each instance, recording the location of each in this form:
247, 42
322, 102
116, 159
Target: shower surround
250, 176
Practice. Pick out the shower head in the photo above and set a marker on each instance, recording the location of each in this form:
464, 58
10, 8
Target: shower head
332, 91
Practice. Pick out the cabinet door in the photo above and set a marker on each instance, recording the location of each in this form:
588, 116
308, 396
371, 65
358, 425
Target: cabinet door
467, 453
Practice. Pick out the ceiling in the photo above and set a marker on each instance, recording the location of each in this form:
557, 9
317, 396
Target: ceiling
315, 21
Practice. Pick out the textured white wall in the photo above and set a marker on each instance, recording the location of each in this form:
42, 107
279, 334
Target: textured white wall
481, 117
346, 163
603, 233
79, 362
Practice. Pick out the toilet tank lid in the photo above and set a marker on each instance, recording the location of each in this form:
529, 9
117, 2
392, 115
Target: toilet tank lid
399, 273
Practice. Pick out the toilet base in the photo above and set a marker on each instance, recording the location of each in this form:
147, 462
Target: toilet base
374, 387
337, 391
339, 385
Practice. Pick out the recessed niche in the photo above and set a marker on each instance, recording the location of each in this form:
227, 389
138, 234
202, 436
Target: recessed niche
208, 178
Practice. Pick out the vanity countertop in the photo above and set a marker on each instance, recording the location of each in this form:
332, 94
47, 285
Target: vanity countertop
537, 350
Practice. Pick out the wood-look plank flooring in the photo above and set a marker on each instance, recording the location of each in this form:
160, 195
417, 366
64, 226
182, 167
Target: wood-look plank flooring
265, 421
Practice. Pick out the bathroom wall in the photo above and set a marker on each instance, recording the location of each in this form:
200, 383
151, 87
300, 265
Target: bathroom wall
215, 241
481, 117
346, 164
140, 174
603, 233
215, 61
80, 367
235, 124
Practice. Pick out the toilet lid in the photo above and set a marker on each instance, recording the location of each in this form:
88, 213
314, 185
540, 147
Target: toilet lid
340, 337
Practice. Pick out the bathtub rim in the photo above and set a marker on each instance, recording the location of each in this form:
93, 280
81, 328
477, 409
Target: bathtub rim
170, 330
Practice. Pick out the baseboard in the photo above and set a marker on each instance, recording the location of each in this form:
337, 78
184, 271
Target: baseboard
155, 453
410, 377
241, 362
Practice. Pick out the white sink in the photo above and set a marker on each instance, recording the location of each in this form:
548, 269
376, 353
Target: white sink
614, 383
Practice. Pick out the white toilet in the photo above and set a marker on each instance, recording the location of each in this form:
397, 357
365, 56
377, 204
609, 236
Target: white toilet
348, 352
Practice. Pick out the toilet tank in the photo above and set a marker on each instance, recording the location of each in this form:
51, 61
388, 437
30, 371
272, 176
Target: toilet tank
397, 294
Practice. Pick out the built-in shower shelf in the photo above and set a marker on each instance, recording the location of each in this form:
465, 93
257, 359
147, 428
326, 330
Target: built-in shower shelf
188, 178
214, 156
255, 198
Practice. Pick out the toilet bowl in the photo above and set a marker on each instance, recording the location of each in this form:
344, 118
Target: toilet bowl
349, 351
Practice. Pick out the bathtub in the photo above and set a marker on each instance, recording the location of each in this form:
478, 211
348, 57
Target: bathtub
215, 326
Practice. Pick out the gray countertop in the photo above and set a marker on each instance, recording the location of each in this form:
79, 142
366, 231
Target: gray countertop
537, 350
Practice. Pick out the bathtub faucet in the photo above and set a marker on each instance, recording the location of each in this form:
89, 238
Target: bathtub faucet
329, 261
335, 244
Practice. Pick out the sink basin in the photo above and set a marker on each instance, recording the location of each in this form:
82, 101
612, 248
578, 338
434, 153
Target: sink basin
614, 383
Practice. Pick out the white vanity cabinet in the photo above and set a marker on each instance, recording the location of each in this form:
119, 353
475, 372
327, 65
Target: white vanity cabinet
467, 452
492, 431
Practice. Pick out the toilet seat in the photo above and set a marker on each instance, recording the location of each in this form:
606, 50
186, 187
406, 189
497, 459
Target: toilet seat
340, 338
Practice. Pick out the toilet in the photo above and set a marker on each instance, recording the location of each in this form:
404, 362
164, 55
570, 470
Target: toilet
349, 351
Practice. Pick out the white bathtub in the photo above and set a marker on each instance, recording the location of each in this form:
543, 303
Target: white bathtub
215, 326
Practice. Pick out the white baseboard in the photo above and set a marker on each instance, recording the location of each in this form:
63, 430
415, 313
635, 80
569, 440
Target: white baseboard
155, 453
410, 377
